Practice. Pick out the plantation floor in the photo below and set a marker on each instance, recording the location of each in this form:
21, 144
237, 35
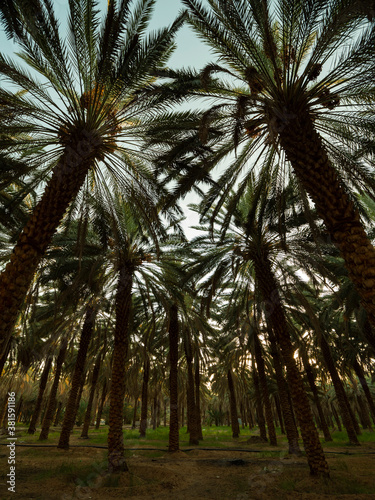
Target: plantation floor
80, 473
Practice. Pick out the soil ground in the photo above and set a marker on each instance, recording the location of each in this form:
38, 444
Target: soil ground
80, 473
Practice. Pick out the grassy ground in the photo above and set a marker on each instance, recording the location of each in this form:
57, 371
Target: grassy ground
264, 473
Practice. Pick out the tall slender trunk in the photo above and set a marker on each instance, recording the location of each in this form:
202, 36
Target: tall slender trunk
58, 413
340, 392
259, 405
94, 380
42, 386
78, 401
62, 188
5, 354
190, 393
266, 396
173, 335
311, 380
361, 377
363, 413
144, 397
233, 405
337, 418
48, 417
79, 370
197, 398
135, 413
304, 149
116, 459
101, 405
269, 290
285, 401
279, 413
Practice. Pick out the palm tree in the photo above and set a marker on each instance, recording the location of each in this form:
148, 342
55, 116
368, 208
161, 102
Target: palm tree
298, 89
89, 111
255, 247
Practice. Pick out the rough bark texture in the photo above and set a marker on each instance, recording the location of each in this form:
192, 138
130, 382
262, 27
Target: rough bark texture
116, 459
304, 149
79, 370
197, 398
311, 380
340, 392
266, 396
269, 290
190, 394
48, 417
42, 386
362, 379
285, 403
94, 380
101, 405
173, 331
144, 398
259, 405
65, 183
233, 406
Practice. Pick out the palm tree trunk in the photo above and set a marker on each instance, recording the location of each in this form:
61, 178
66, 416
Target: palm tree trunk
116, 459
95, 376
101, 405
144, 398
340, 392
58, 413
266, 396
361, 377
79, 370
197, 398
173, 331
42, 386
48, 417
337, 418
135, 413
311, 380
279, 413
269, 291
285, 402
233, 406
363, 413
259, 405
190, 394
65, 183
304, 149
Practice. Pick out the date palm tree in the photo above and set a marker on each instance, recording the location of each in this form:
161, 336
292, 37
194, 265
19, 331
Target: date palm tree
298, 87
81, 114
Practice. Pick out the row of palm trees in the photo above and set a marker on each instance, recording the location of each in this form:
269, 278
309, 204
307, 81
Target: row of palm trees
92, 143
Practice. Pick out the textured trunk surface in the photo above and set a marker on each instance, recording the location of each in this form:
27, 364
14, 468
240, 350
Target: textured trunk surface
173, 331
95, 376
340, 392
197, 398
58, 413
67, 179
269, 290
116, 459
38, 404
190, 394
361, 377
233, 406
259, 405
144, 398
286, 408
101, 405
304, 149
79, 370
311, 380
266, 396
48, 417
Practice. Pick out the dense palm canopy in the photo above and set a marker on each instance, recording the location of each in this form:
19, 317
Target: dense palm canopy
85, 103
295, 98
